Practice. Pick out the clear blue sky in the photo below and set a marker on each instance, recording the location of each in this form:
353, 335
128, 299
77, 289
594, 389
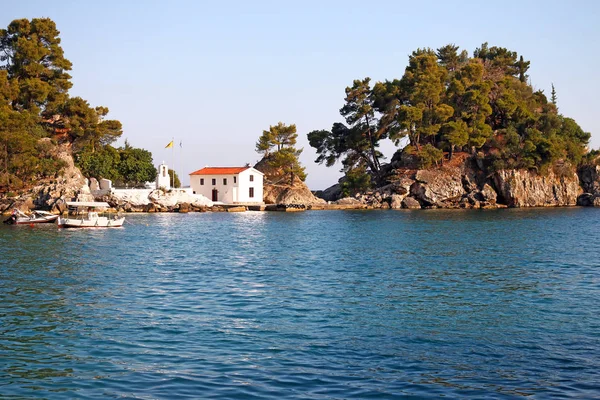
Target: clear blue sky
215, 74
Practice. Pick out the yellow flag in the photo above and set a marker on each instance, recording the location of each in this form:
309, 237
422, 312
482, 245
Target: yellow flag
169, 145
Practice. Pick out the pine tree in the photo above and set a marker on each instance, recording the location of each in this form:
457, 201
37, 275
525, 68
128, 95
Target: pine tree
553, 97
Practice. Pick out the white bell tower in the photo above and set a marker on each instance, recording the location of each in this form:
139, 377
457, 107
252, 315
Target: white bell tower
163, 180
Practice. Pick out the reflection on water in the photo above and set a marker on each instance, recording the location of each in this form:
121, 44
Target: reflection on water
304, 305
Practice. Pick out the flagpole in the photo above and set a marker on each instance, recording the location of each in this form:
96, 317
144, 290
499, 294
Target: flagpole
180, 157
173, 160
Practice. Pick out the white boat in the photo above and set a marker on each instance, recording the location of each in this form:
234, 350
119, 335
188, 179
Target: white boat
18, 217
86, 216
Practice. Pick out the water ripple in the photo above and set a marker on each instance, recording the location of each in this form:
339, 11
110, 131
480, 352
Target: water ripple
318, 305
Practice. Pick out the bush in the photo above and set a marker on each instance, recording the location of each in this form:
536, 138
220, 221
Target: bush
429, 155
357, 180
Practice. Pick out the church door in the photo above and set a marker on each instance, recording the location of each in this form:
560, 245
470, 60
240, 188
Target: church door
215, 195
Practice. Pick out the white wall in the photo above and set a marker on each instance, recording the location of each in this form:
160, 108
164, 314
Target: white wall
245, 184
225, 191
238, 192
163, 180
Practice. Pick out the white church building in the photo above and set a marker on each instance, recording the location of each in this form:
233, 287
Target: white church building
229, 185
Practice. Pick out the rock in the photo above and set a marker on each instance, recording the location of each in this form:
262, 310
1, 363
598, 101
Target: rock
297, 194
410, 203
465, 203
348, 201
522, 188
488, 194
396, 201
94, 186
183, 208
236, 209
332, 193
585, 200
278, 189
438, 186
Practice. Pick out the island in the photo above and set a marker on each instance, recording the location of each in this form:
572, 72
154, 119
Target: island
471, 132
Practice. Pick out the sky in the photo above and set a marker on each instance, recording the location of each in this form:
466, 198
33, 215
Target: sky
213, 75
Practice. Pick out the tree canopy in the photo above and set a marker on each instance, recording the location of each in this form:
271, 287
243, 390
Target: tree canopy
125, 166
36, 111
446, 102
277, 145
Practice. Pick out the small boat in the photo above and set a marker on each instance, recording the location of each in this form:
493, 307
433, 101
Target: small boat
18, 217
86, 216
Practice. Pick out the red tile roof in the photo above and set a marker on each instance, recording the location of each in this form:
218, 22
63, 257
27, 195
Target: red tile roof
219, 170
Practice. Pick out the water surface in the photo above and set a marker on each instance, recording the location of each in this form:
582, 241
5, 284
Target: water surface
315, 305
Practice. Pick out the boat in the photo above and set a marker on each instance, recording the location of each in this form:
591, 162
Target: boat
18, 217
85, 215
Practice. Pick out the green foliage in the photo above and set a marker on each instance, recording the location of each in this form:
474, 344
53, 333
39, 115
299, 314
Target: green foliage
429, 155
285, 161
174, 179
102, 164
36, 113
125, 165
356, 180
86, 126
278, 147
446, 100
32, 56
278, 137
455, 134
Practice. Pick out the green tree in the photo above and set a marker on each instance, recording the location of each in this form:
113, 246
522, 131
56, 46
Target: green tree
455, 133
278, 148
449, 57
277, 138
135, 166
101, 164
85, 125
425, 83
553, 97
359, 113
522, 67
342, 142
174, 178
356, 180
31, 54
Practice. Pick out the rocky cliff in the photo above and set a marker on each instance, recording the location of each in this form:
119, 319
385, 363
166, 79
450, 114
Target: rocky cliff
462, 183
521, 188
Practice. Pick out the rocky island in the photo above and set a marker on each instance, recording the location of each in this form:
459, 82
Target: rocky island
471, 133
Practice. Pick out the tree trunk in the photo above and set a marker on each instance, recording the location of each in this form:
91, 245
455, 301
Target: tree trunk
372, 143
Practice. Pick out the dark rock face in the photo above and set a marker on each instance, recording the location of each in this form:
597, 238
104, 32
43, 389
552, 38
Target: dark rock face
332, 193
588, 176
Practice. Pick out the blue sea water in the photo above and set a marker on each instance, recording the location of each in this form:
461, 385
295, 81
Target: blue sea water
314, 305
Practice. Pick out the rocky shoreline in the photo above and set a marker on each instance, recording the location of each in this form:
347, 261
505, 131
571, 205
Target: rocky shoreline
460, 184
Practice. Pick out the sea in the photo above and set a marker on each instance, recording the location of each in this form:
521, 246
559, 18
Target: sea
485, 304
